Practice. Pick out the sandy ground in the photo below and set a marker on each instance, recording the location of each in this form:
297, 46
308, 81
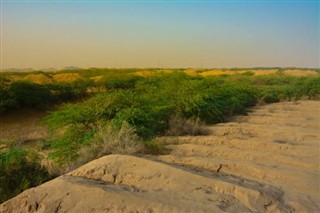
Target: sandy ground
27, 123
267, 161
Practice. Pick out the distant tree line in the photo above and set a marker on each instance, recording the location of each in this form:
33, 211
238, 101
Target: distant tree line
20, 94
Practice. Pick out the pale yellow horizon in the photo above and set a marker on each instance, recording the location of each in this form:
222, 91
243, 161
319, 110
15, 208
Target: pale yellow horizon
159, 35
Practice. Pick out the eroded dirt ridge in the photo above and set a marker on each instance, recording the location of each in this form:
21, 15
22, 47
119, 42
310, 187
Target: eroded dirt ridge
265, 162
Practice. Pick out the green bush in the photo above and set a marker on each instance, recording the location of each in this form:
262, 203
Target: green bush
64, 148
181, 126
269, 95
30, 95
61, 91
79, 87
307, 86
7, 99
155, 147
149, 105
19, 170
273, 80
125, 82
21, 94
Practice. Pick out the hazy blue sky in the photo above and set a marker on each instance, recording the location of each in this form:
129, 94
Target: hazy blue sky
42, 34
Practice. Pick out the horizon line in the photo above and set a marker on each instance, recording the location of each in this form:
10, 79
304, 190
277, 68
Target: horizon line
160, 68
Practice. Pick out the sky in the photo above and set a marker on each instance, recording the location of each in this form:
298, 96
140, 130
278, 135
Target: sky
164, 34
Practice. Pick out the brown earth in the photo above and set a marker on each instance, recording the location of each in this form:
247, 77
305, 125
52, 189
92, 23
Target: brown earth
267, 161
22, 126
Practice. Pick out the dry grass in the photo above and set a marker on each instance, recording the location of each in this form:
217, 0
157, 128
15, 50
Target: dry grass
215, 72
180, 126
300, 72
66, 77
147, 73
264, 72
109, 140
38, 78
123, 141
157, 146
96, 78
192, 72
144, 73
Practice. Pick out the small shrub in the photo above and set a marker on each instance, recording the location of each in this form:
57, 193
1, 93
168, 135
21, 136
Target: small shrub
116, 141
280, 72
269, 95
108, 140
181, 126
155, 147
61, 91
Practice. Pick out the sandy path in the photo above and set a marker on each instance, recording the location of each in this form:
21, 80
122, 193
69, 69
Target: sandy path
268, 161
23, 126
276, 145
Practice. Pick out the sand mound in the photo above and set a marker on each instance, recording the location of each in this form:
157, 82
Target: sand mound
265, 162
38, 78
300, 72
192, 72
66, 77
215, 72
129, 183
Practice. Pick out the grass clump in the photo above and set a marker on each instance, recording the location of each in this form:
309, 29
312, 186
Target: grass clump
108, 140
179, 126
155, 147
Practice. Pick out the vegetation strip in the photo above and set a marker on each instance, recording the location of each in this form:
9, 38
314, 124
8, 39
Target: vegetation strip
123, 111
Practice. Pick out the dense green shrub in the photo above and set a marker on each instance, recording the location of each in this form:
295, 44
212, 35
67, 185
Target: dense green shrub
65, 147
124, 82
306, 86
28, 94
269, 95
7, 99
79, 87
19, 170
289, 88
21, 94
273, 80
151, 102
61, 91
